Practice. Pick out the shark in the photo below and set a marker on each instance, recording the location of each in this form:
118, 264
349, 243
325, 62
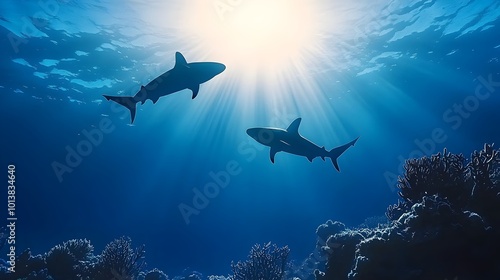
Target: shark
184, 75
290, 141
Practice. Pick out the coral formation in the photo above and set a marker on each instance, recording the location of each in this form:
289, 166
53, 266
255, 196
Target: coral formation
446, 227
217, 277
74, 259
67, 260
27, 267
3, 236
118, 260
264, 262
155, 274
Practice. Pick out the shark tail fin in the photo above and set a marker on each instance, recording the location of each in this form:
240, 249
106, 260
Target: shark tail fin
128, 102
335, 153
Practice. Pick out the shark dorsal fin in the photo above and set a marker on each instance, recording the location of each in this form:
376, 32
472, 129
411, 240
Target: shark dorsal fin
180, 60
294, 126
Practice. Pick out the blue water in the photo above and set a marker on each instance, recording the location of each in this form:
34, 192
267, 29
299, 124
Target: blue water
394, 75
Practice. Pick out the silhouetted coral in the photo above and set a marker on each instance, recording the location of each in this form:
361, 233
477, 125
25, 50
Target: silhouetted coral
396, 210
74, 259
193, 276
342, 245
485, 170
324, 231
25, 265
443, 174
217, 277
155, 274
40, 275
66, 261
119, 261
374, 222
446, 227
316, 260
264, 262
3, 236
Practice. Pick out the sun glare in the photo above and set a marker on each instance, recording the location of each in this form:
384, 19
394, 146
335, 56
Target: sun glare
254, 33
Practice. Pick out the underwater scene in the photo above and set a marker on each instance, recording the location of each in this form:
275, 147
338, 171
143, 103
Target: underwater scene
250, 139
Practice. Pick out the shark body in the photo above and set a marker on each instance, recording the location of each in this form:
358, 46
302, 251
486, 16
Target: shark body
289, 140
183, 76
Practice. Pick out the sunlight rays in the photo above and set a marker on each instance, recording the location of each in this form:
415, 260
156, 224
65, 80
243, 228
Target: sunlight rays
277, 53
266, 45
253, 35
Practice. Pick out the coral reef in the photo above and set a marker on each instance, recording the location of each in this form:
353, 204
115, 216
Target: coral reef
264, 262
216, 277
446, 226
74, 260
445, 175
67, 260
3, 236
155, 274
119, 261
27, 267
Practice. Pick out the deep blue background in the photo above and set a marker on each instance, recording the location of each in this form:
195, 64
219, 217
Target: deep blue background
133, 182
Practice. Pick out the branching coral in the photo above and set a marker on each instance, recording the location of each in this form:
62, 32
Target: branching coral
66, 261
464, 185
264, 263
74, 260
119, 261
26, 265
449, 219
396, 210
485, 172
155, 274
442, 174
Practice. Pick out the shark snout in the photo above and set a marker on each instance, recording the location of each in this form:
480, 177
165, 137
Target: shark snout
204, 71
252, 132
219, 68
261, 135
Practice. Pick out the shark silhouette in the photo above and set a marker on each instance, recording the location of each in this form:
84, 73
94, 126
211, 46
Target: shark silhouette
183, 76
292, 142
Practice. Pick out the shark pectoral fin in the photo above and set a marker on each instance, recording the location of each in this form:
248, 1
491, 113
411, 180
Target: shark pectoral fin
335, 164
195, 90
273, 153
155, 100
310, 159
294, 126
